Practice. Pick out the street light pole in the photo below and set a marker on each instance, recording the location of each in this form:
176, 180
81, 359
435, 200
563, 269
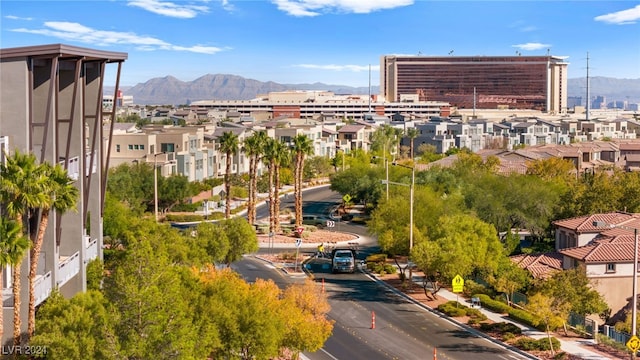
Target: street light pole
155, 185
411, 196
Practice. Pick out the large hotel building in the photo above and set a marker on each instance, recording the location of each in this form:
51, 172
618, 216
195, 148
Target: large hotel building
482, 82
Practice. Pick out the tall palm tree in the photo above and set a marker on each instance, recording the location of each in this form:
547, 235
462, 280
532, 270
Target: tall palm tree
229, 145
13, 247
62, 196
270, 155
21, 189
302, 146
253, 147
281, 159
412, 133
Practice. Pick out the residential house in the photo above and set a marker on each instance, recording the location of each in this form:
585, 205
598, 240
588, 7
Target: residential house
605, 252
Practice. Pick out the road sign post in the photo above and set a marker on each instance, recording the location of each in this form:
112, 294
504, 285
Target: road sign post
458, 285
298, 243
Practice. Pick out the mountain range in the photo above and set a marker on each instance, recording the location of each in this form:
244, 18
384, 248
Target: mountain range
171, 91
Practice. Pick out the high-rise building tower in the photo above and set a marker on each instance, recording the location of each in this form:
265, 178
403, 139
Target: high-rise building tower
482, 82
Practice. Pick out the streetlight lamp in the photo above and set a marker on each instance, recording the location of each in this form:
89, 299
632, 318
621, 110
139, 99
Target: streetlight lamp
386, 167
634, 299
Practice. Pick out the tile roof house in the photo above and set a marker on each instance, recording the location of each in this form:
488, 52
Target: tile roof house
607, 254
541, 266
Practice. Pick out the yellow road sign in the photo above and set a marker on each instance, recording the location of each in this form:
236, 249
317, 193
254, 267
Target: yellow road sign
346, 198
634, 343
457, 284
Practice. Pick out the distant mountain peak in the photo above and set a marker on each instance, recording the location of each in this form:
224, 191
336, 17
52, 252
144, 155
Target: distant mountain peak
169, 90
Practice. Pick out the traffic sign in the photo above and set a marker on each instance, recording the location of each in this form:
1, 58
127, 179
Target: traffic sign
299, 230
633, 344
457, 284
346, 198
298, 242
331, 223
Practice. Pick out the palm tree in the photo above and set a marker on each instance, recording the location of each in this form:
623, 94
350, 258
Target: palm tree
282, 158
270, 155
13, 247
21, 190
229, 146
302, 146
412, 133
253, 147
62, 196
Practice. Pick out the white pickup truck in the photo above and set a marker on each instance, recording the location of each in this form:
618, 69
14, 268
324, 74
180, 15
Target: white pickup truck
343, 260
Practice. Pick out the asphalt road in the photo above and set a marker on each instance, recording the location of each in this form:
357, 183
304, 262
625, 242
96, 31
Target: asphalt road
401, 329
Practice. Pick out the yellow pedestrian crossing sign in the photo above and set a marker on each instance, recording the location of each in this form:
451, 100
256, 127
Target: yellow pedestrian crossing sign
634, 343
457, 284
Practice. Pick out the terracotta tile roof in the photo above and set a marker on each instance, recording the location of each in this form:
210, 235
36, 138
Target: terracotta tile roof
541, 265
582, 224
629, 146
603, 251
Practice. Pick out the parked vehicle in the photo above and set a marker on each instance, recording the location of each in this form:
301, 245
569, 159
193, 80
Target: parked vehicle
343, 260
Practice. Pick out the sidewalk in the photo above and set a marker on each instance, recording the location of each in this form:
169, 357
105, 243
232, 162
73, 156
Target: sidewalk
575, 347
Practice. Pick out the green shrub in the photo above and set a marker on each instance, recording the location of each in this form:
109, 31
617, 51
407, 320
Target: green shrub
453, 309
476, 314
526, 318
501, 327
508, 336
473, 321
542, 344
494, 305
389, 269
376, 258
381, 268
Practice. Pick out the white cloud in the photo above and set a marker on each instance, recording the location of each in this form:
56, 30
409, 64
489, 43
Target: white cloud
334, 67
318, 7
624, 17
79, 33
531, 46
167, 8
13, 17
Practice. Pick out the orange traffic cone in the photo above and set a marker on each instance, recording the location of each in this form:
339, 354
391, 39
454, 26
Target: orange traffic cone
435, 354
322, 285
373, 320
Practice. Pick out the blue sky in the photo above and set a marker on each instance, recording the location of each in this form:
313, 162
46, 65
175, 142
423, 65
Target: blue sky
328, 41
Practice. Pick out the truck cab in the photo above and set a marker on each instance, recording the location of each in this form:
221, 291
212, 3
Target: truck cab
343, 260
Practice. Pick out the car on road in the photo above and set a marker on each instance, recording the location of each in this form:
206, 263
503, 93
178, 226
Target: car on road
343, 260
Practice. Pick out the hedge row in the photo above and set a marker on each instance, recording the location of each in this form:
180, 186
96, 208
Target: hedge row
455, 309
542, 344
521, 316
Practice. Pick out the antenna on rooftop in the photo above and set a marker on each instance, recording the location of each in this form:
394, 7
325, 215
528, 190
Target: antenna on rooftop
369, 88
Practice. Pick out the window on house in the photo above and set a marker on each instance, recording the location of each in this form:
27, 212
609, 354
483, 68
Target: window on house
611, 267
130, 146
117, 147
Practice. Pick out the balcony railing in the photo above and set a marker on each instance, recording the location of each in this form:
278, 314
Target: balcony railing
68, 268
92, 250
89, 168
42, 287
